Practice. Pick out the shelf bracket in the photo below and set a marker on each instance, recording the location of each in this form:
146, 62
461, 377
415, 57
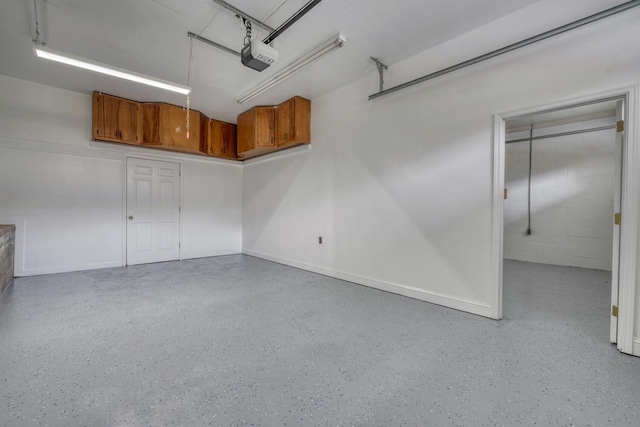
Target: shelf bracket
381, 67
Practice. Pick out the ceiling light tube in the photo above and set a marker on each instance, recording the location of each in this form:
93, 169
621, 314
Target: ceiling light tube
334, 43
98, 67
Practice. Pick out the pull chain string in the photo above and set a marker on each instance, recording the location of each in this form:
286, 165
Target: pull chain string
529, 185
189, 78
188, 118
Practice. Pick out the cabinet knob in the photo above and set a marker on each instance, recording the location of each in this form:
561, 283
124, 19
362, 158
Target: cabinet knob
130, 217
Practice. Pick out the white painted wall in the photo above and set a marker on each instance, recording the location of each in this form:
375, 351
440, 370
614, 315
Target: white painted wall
66, 194
401, 187
571, 196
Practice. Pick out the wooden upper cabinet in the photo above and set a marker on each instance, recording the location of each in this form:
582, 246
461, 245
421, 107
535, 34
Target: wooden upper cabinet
220, 139
293, 122
259, 131
116, 119
256, 132
165, 126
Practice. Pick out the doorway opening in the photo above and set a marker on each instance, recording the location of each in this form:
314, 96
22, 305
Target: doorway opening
562, 186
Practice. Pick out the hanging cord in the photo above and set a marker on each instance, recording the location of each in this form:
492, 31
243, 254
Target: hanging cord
189, 78
530, 164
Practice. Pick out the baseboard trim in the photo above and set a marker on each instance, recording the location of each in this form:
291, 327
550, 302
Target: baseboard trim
469, 306
67, 268
636, 346
207, 254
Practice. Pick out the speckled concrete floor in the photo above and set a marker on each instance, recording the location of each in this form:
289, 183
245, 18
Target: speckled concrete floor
236, 341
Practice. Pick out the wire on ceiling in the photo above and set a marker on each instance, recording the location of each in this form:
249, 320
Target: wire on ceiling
274, 10
215, 14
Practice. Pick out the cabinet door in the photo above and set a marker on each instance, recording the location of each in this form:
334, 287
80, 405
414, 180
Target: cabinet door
151, 120
128, 121
174, 132
285, 122
116, 119
293, 119
165, 126
222, 139
265, 132
229, 145
246, 132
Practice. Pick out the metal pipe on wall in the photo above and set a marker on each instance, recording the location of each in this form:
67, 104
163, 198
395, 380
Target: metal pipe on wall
531, 40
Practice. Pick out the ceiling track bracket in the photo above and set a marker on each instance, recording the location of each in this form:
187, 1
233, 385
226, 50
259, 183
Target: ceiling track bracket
381, 67
212, 43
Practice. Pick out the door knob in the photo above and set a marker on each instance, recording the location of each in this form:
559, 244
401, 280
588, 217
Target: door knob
130, 216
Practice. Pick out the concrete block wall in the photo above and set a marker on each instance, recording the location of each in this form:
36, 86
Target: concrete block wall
572, 190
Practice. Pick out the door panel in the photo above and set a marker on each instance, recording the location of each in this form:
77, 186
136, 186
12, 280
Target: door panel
166, 230
166, 196
166, 172
142, 170
142, 195
153, 211
142, 236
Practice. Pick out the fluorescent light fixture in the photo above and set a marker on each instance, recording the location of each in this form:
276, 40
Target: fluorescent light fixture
334, 43
98, 67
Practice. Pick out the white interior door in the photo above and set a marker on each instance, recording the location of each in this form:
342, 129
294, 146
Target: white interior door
153, 211
615, 265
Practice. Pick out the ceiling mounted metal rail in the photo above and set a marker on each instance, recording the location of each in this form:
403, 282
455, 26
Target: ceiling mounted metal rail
212, 43
244, 15
568, 27
292, 20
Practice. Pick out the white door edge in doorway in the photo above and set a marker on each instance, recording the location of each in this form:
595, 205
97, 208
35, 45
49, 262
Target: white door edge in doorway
617, 195
630, 200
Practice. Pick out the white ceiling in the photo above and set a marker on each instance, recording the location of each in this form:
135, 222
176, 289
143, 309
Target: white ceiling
150, 37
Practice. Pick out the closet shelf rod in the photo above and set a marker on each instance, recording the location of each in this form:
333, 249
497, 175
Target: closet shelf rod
573, 132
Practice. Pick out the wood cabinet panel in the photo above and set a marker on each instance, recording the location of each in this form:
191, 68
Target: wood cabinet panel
117, 119
256, 132
293, 122
165, 126
221, 139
